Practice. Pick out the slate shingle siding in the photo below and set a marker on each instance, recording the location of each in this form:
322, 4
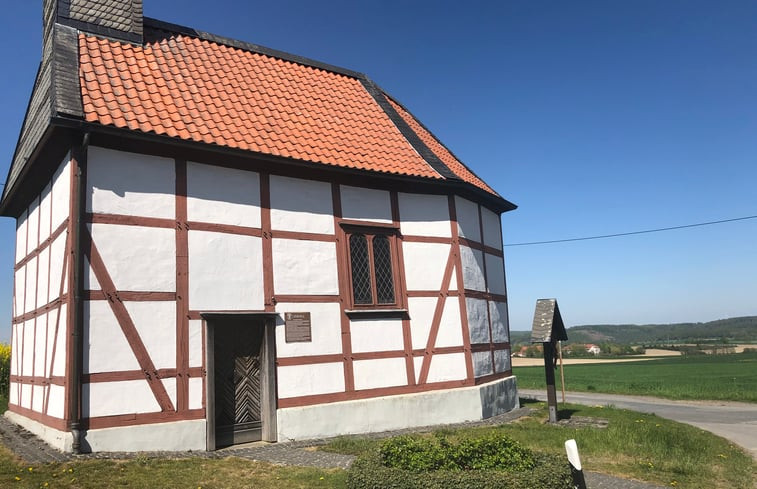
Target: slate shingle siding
122, 15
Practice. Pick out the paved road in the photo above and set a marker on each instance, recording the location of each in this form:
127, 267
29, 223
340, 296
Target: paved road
734, 421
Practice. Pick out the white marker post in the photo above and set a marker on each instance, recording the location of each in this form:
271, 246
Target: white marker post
575, 465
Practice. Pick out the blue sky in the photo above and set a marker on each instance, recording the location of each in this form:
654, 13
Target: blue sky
595, 117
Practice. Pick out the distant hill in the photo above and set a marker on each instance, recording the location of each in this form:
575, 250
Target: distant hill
743, 329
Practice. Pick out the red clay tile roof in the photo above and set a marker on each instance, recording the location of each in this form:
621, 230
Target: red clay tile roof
198, 90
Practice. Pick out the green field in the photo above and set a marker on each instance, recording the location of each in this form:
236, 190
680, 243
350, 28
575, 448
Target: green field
712, 377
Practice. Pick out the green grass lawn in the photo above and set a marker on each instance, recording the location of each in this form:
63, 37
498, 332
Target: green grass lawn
716, 377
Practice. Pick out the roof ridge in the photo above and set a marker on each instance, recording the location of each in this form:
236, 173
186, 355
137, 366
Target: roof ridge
248, 46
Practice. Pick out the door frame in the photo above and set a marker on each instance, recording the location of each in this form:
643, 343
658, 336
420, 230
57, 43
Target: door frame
268, 398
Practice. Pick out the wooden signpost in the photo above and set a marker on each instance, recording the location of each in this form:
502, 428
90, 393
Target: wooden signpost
548, 329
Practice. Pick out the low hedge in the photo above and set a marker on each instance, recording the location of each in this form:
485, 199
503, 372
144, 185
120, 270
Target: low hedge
549, 472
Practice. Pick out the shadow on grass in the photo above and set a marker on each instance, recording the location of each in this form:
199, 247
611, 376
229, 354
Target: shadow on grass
566, 413
528, 402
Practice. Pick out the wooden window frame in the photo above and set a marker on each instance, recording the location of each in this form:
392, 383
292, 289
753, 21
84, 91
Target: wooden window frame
370, 230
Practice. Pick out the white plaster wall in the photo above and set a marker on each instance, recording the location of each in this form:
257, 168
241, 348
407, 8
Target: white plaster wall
61, 192
45, 209
196, 392
38, 396
113, 398
301, 205
225, 271
223, 195
32, 235
450, 328
14, 390
21, 225
325, 330
19, 307
195, 343
366, 204
376, 335
52, 319
170, 386
304, 267
380, 413
425, 264
156, 324
478, 321
178, 436
468, 225
306, 380
495, 274
450, 366
384, 372
26, 396
15, 351
421, 311
473, 268
60, 440
59, 362
27, 360
138, 258
57, 253
502, 360
56, 402
40, 336
498, 312
424, 215
105, 346
130, 183
90, 280
31, 285
482, 363
43, 278
492, 228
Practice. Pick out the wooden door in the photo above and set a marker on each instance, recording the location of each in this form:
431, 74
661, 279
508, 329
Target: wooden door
237, 383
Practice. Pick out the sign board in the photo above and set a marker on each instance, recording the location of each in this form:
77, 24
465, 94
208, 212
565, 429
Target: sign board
297, 327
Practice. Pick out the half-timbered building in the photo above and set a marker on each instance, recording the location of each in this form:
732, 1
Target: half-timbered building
219, 242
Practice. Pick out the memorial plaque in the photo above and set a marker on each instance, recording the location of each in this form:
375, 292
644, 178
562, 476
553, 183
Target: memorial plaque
297, 327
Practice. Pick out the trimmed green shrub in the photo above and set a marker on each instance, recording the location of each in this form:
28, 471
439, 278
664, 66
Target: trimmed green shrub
417, 454
549, 472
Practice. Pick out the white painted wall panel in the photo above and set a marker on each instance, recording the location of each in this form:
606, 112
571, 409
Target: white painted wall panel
196, 357
57, 255
498, 312
45, 211
59, 362
468, 225
306, 380
15, 350
425, 264
38, 396
366, 204
30, 299
223, 195
424, 215
225, 271
196, 393
130, 183
325, 331
502, 360
304, 267
495, 274
478, 321
19, 305
301, 205
473, 268
447, 367
32, 234
105, 346
156, 324
52, 321
492, 228
376, 334
13, 394
138, 258
421, 311
90, 280
40, 337
26, 396
418, 364
170, 386
385, 372
21, 224
482, 363
43, 280
56, 402
27, 360
61, 192
450, 328
113, 398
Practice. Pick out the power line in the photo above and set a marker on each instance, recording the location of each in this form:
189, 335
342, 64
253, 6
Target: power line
586, 238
